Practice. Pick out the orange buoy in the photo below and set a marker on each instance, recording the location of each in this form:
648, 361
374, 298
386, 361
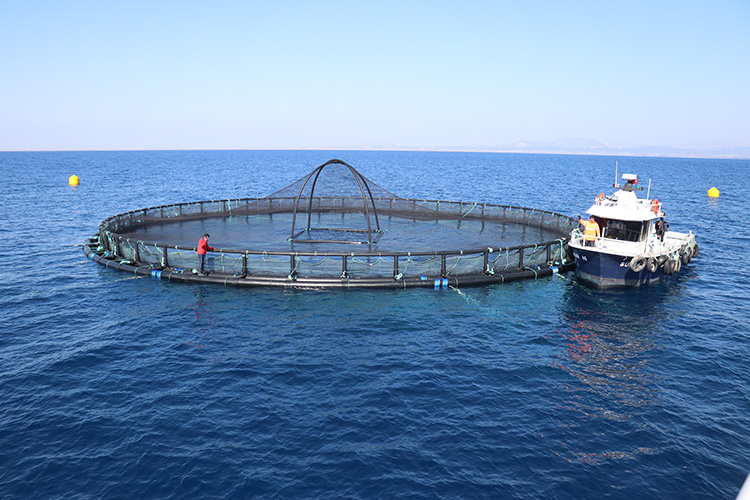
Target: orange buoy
73, 180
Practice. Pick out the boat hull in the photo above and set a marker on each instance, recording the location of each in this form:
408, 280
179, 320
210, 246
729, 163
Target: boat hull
605, 270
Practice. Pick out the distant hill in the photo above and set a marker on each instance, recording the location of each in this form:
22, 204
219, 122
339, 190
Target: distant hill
578, 147
589, 146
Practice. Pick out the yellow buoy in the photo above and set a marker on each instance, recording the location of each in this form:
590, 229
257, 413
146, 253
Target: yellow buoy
73, 180
713, 193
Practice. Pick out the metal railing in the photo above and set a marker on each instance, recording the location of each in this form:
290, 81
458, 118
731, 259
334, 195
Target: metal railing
292, 265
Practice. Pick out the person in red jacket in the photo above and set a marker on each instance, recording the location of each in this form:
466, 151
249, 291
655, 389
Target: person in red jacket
202, 249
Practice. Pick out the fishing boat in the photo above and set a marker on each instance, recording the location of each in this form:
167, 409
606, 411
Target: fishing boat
626, 242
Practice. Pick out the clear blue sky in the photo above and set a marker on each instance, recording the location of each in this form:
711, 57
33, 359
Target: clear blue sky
320, 74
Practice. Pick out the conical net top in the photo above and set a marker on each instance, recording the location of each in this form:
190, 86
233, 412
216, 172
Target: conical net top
335, 188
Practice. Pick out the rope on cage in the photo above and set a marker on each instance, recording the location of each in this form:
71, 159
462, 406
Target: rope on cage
358, 261
408, 263
562, 252
469, 211
325, 258
292, 273
536, 275
458, 259
221, 263
490, 269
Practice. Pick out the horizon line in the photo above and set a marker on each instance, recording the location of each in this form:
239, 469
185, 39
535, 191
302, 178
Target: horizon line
396, 149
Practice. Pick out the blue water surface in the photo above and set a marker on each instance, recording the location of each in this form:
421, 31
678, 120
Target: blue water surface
119, 386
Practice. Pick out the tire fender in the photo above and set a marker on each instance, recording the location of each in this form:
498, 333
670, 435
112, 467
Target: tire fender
686, 256
638, 263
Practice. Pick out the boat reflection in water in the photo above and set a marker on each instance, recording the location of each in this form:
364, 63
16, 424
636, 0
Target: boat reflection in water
611, 349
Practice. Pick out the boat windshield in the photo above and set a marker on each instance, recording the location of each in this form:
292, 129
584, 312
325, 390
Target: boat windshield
625, 230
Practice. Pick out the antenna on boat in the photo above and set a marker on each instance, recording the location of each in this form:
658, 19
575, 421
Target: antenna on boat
648, 193
615, 184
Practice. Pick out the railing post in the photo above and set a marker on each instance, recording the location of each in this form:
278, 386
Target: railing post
244, 264
395, 265
344, 270
520, 257
442, 266
164, 260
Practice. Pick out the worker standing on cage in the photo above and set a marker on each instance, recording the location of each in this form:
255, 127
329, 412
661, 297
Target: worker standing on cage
203, 247
591, 230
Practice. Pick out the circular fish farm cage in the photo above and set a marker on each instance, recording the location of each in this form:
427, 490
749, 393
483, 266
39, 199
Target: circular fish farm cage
335, 228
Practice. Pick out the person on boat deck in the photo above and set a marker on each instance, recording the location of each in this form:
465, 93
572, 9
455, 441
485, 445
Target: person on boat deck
591, 230
662, 226
202, 249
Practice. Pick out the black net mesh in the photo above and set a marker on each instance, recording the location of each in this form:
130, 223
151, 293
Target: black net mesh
335, 223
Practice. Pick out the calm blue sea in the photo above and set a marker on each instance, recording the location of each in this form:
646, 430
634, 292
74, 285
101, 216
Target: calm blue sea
115, 386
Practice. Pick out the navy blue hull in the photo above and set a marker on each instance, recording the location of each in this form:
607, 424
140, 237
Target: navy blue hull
605, 270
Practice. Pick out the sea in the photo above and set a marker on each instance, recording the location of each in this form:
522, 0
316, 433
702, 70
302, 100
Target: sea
116, 386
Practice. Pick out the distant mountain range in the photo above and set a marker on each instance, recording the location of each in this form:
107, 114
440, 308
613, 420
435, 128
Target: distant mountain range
591, 147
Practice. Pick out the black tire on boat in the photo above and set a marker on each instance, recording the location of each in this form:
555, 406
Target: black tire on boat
695, 251
669, 267
652, 265
677, 265
686, 256
638, 263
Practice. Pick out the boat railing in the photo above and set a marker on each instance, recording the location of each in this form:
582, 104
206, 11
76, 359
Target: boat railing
647, 247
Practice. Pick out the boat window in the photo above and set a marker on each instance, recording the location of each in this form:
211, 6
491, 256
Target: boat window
626, 230
645, 229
